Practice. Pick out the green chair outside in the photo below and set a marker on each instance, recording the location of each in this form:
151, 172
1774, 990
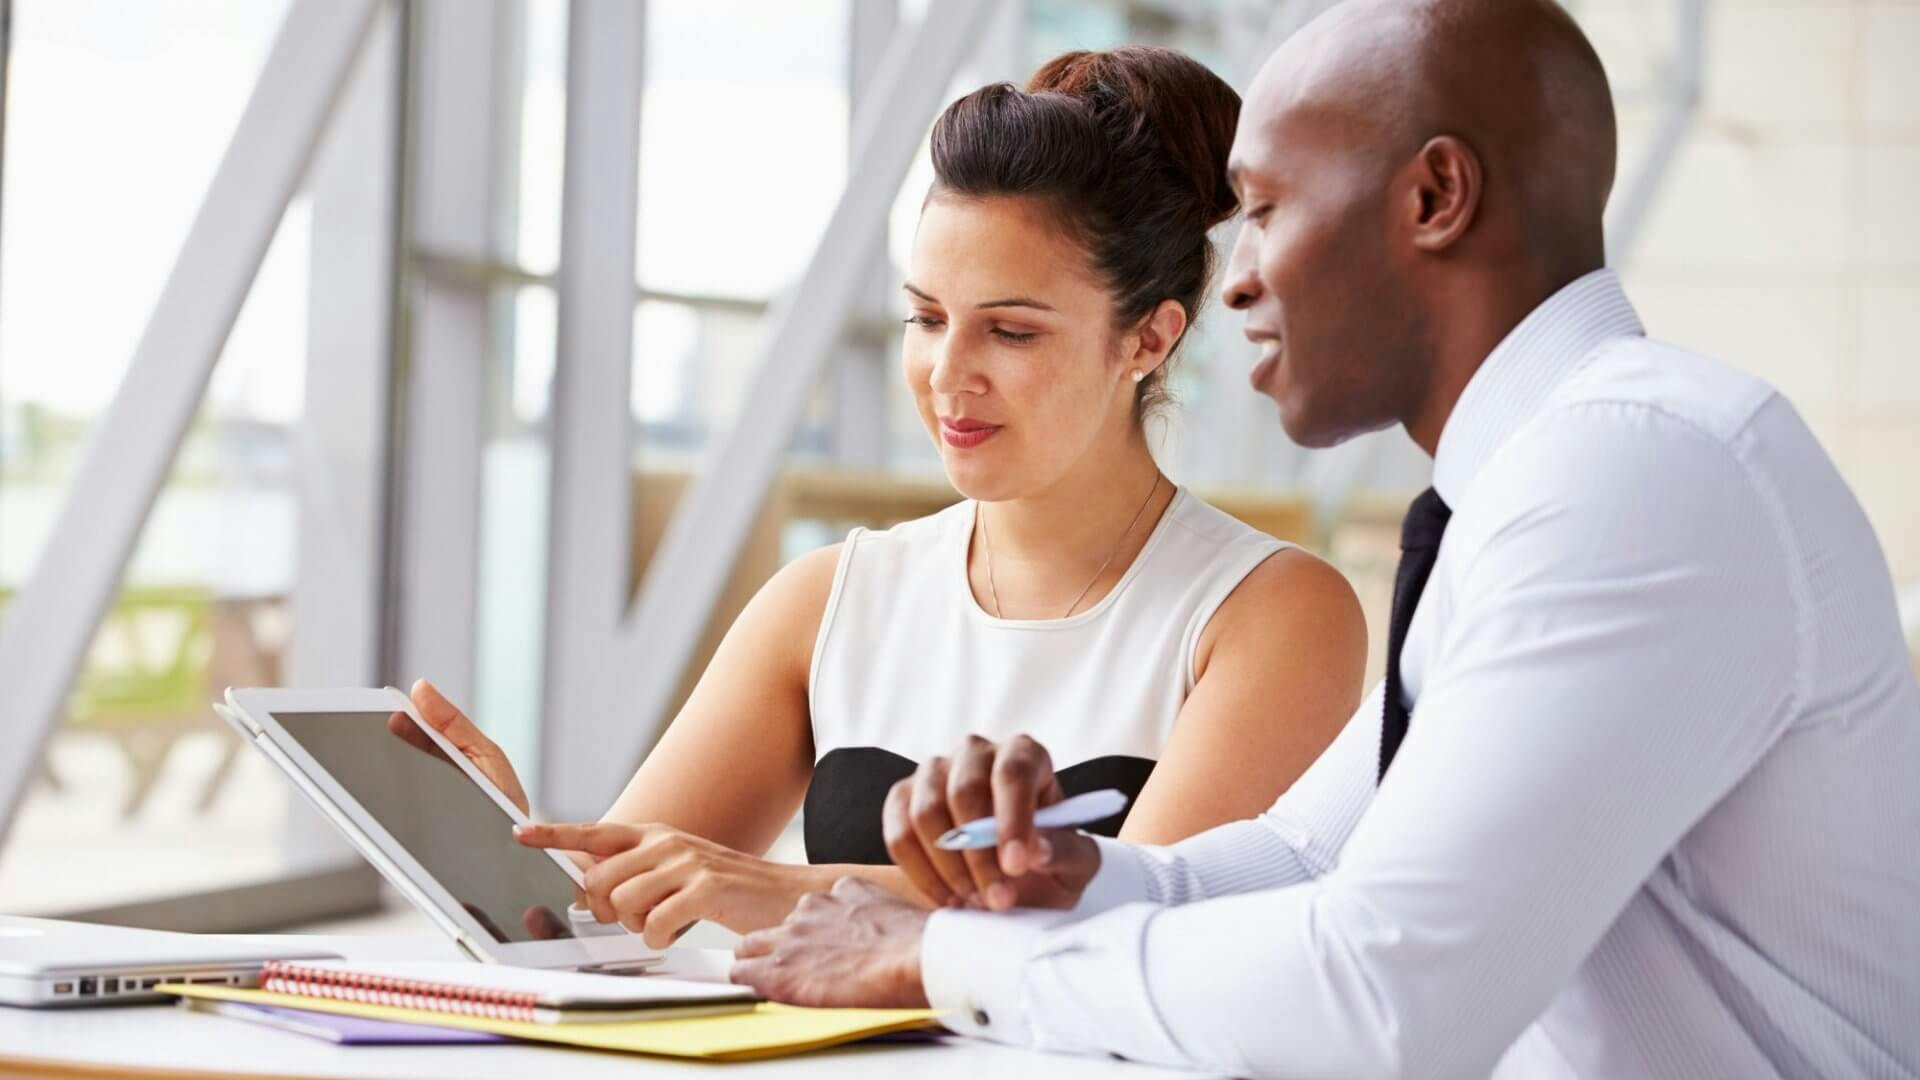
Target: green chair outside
144, 683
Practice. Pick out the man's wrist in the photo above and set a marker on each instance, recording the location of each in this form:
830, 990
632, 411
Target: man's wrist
971, 965
909, 985
1120, 878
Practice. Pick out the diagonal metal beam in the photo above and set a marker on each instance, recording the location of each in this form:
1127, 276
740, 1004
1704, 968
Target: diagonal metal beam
619, 701
588, 576
50, 626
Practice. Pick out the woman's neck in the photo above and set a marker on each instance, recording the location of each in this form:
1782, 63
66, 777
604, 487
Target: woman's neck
1047, 546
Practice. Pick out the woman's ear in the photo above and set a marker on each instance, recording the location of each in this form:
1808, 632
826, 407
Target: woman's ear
1156, 337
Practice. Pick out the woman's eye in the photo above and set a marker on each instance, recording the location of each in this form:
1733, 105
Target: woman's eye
1259, 213
924, 321
1014, 337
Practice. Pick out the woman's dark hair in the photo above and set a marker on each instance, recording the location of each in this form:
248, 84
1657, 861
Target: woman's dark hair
1130, 148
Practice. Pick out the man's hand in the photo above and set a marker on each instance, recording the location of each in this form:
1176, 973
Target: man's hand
1031, 868
856, 947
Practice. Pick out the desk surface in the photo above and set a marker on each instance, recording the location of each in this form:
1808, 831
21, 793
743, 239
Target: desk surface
166, 1041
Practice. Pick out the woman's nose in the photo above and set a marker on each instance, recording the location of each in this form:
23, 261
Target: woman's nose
953, 370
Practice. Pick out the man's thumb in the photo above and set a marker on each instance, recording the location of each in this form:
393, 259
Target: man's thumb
1060, 849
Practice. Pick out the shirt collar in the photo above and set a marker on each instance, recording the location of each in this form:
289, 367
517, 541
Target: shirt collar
1552, 342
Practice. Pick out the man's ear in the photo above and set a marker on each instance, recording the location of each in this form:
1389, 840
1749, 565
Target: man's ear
1444, 196
1156, 337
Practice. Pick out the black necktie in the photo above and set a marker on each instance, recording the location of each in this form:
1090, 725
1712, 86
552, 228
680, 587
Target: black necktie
1419, 547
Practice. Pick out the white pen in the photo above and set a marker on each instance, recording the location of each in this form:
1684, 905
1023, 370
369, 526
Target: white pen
1079, 810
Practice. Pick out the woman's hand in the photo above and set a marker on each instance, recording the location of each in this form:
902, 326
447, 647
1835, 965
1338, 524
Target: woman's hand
1046, 868
485, 754
657, 881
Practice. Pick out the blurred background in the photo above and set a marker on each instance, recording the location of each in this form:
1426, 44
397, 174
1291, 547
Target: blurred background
513, 343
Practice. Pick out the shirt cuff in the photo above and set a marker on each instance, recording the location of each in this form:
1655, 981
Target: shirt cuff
1121, 879
971, 965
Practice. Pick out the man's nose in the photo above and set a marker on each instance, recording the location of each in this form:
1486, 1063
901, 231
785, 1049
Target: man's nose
1241, 286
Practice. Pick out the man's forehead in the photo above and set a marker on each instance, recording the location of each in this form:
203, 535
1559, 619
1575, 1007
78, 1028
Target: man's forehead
1275, 126
1337, 73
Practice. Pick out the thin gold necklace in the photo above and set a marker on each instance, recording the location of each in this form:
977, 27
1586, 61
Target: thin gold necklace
986, 535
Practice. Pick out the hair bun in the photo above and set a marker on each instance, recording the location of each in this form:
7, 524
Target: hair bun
1159, 108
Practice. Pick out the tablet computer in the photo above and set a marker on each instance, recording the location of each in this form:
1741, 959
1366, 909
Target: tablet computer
440, 831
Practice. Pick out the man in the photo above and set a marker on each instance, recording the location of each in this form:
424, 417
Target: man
1638, 797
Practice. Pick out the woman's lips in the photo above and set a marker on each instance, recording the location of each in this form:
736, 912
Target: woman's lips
966, 434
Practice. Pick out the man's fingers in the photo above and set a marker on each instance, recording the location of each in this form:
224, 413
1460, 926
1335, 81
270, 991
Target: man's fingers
1023, 781
599, 839
904, 845
927, 810
1064, 853
970, 796
758, 943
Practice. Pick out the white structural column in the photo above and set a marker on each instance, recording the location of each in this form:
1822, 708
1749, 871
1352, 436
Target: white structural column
614, 707
342, 439
132, 447
453, 205
589, 579
860, 366
341, 457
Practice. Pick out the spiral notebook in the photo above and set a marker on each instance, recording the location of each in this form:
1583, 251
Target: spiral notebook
767, 1030
524, 995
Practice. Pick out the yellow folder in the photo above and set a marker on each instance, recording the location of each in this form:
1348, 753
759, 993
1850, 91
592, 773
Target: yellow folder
768, 1031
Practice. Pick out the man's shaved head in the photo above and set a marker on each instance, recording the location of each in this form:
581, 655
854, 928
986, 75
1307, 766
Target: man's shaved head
1415, 171
1515, 79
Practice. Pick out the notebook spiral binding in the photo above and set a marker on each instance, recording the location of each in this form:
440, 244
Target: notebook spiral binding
282, 977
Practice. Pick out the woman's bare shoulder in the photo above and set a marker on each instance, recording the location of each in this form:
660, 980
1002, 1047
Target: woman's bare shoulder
1293, 601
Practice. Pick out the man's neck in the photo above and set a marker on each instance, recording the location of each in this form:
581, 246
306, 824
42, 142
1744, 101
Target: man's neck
1472, 317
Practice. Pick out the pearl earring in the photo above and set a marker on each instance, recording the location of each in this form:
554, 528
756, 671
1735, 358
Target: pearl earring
1138, 375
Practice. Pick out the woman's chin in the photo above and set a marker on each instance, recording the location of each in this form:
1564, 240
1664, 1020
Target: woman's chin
976, 480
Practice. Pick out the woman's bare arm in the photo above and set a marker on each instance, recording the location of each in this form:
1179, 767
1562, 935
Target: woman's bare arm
1279, 671
734, 764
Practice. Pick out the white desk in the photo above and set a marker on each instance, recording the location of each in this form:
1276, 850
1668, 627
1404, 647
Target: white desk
167, 1041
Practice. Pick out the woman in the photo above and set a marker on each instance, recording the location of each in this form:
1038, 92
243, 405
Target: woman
1153, 642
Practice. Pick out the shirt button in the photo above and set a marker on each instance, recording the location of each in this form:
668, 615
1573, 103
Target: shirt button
980, 1017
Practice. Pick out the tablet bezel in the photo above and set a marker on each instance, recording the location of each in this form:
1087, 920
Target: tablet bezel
252, 711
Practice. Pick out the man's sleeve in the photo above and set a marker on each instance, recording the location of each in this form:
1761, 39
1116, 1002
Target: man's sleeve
971, 961
1623, 648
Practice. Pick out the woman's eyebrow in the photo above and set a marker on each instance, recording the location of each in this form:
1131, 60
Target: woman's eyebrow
1016, 301
1011, 301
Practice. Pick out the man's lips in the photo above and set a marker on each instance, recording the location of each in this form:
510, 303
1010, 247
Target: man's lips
1265, 363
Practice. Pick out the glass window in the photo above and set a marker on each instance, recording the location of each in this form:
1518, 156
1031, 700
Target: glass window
117, 118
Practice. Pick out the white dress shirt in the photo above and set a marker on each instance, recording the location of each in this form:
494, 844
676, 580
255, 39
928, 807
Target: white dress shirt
1658, 809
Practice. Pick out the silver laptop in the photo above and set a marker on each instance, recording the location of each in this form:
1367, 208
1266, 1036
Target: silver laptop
47, 962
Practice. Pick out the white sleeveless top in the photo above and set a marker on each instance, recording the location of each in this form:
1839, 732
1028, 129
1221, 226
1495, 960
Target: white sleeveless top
907, 664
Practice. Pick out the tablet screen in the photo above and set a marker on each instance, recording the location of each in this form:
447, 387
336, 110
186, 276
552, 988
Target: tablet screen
442, 819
